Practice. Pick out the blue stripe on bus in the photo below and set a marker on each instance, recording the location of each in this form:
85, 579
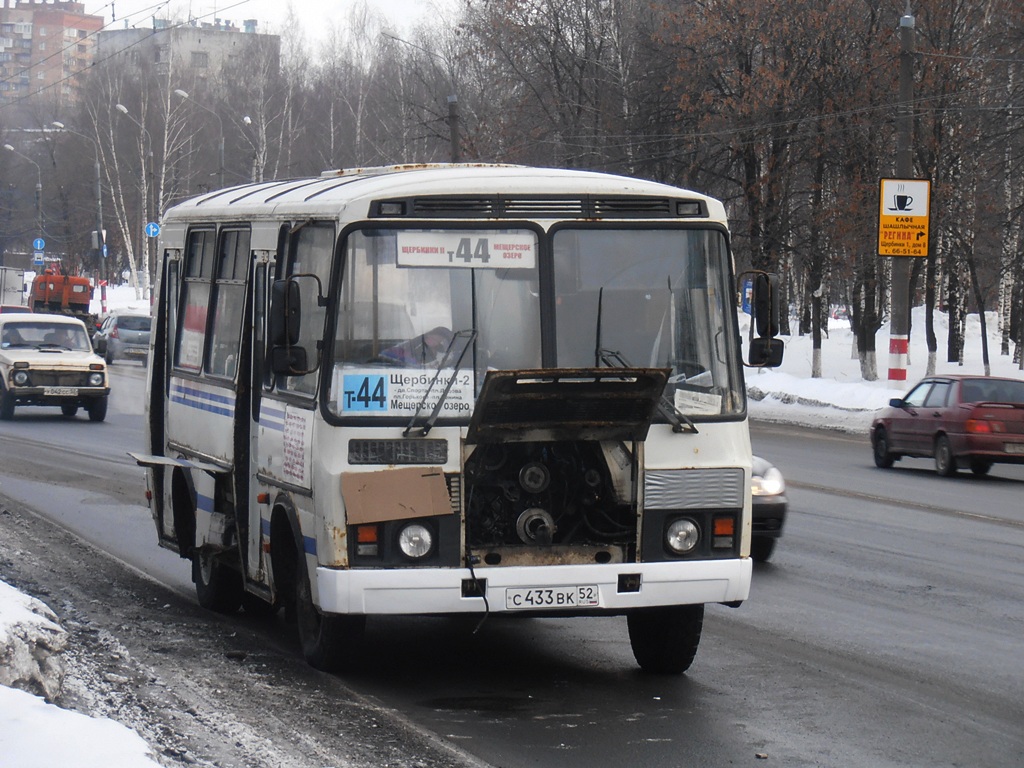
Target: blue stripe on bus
205, 503
204, 401
272, 418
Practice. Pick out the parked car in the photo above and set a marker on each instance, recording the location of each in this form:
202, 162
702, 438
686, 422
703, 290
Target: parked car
960, 421
769, 508
8, 308
48, 360
123, 335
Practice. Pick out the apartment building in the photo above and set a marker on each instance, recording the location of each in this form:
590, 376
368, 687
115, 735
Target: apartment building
45, 45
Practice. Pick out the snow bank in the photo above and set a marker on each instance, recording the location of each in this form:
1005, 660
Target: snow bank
34, 732
31, 642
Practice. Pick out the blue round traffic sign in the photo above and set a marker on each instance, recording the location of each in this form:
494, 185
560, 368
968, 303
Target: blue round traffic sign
152, 229
39, 243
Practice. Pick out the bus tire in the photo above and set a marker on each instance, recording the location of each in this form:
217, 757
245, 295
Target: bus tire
218, 587
665, 639
330, 643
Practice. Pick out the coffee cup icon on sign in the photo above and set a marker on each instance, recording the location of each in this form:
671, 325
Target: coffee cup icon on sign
901, 202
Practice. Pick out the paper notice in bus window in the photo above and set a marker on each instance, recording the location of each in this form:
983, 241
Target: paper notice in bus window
463, 248
376, 392
701, 403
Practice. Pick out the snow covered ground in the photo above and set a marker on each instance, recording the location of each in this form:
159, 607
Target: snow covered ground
34, 733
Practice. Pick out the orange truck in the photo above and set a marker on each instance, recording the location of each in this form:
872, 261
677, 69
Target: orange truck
60, 293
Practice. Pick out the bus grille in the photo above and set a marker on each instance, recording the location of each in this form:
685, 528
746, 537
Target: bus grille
721, 488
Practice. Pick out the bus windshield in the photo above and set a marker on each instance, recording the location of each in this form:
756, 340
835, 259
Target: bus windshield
418, 308
651, 298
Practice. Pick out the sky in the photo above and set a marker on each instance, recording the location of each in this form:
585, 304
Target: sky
400, 15
34, 733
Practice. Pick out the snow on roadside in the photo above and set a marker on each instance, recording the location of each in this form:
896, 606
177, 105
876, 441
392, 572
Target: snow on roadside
33, 732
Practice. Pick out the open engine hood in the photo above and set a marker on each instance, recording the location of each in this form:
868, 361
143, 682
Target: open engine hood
567, 404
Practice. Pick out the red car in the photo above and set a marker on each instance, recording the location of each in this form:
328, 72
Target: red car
961, 421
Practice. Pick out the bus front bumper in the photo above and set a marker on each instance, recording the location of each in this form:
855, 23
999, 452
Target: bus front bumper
600, 589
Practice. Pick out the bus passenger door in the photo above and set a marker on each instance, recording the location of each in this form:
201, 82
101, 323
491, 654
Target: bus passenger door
285, 405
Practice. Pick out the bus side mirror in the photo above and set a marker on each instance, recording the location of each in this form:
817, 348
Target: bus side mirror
765, 353
289, 361
765, 350
764, 305
287, 358
285, 312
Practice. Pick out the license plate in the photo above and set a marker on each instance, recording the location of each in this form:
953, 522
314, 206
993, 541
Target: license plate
135, 351
60, 391
1017, 448
551, 597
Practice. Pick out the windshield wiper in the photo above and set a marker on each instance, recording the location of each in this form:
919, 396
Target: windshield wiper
468, 334
680, 421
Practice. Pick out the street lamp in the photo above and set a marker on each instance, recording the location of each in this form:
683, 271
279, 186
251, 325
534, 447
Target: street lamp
39, 187
184, 95
253, 137
99, 190
453, 99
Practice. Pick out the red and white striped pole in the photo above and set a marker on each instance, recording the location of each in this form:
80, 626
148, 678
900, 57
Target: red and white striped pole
898, 346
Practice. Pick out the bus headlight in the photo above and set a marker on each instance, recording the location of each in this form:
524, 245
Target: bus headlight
95, 379
20, 378
416, 541
682, 536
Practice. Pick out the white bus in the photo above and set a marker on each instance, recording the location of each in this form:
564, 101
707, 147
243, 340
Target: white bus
455, 389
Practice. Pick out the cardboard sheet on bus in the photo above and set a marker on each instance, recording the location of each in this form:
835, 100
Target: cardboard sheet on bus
394, 494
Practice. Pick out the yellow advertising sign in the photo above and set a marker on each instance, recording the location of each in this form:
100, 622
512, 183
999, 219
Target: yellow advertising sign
903, 217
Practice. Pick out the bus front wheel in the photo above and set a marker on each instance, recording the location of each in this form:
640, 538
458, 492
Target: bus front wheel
665, 639
330, 642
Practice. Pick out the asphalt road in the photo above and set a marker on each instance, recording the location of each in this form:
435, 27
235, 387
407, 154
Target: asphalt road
886, 631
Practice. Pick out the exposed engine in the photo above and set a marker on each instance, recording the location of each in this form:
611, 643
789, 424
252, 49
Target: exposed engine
549, 494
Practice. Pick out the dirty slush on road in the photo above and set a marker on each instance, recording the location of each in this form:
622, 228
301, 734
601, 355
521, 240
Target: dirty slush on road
201, 689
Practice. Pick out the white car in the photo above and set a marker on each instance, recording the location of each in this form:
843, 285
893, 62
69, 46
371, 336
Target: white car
49, 360
770, 505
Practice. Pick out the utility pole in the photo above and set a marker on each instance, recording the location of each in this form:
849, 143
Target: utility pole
899, 324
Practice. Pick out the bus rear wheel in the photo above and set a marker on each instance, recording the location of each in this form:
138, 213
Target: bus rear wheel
665, 639
218, 587
330, 642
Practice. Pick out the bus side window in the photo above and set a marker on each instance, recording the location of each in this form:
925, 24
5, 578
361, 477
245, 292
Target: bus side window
172, 296
259, 341
195, 299
311, 252
227, 303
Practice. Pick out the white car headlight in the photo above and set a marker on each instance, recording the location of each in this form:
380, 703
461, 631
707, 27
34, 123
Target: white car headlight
20, 378
769, 484
416, 541
95, 379
682, 536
